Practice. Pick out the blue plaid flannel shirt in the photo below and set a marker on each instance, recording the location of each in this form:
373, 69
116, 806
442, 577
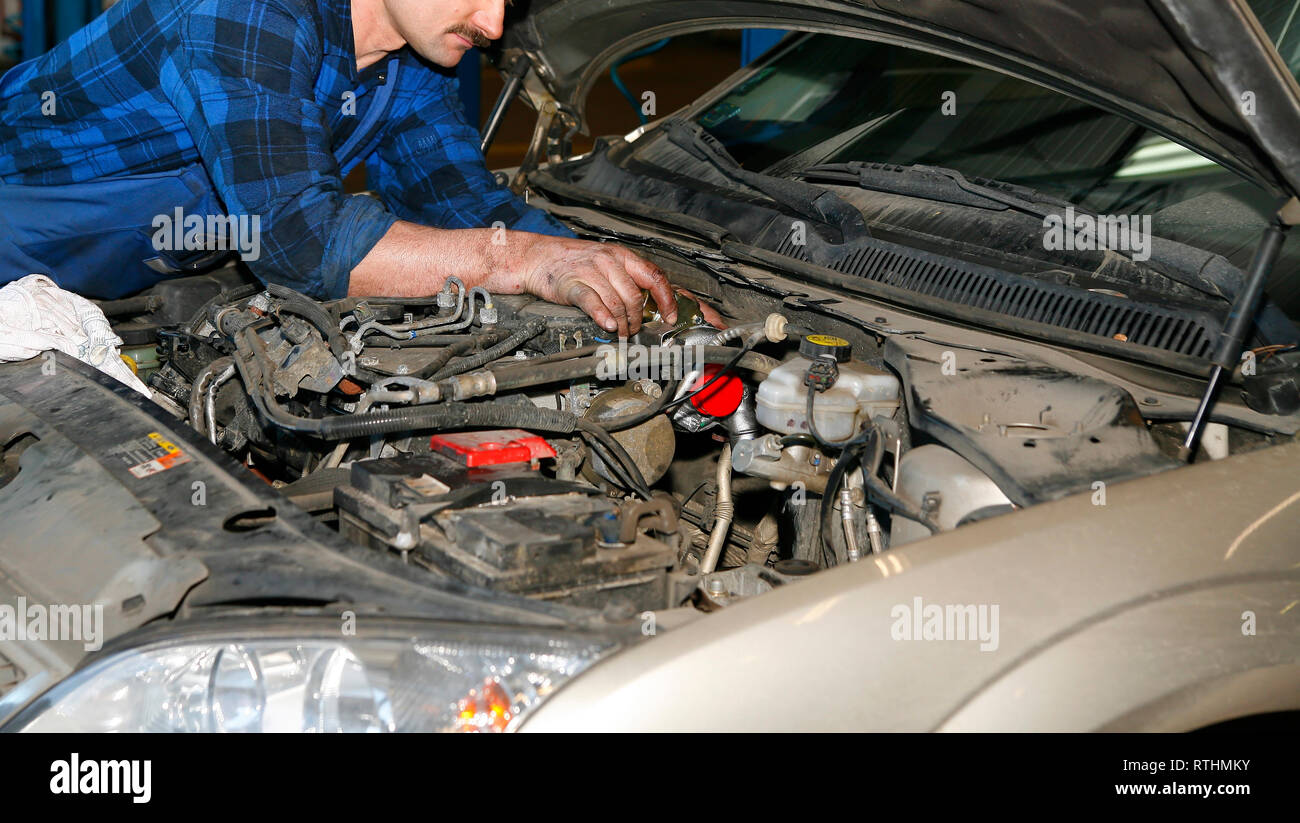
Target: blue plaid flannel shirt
259, 92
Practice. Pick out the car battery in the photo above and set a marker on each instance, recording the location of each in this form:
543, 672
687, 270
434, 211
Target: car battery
478, 509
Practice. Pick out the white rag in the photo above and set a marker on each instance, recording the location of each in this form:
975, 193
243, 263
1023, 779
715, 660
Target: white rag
36, 315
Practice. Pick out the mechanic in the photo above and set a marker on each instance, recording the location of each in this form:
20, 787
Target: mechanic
252, 112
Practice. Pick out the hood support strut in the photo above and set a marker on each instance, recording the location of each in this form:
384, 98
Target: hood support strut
514, 81
1241, 316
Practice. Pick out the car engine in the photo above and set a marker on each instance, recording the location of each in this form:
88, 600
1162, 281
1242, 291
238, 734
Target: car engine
513, 445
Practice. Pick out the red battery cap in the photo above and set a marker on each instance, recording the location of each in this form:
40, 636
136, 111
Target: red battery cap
492, 448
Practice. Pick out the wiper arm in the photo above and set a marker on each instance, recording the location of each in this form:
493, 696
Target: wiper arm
813, 202
936, 183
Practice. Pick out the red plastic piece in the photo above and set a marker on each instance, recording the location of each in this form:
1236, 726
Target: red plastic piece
720, 399
492, 448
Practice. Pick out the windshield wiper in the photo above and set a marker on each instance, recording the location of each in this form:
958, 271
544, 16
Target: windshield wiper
813, 202
1203, 271
936, 183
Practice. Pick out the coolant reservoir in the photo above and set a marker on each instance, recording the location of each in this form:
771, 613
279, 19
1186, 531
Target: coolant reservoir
859, 394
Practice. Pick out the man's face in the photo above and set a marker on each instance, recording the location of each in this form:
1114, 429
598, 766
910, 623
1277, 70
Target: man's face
442, 31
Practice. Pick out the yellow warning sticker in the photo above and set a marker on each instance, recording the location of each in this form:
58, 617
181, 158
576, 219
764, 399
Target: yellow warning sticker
150, 454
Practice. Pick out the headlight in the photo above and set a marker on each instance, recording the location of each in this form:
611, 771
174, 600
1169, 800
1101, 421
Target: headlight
416, 677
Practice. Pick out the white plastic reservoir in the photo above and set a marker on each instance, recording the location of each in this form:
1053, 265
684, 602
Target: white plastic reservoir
859, 393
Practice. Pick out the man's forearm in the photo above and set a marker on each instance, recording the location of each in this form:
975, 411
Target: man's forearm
604, 280
414, 261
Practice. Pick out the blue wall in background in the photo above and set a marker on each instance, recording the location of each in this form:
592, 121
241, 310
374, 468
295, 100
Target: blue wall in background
753, 42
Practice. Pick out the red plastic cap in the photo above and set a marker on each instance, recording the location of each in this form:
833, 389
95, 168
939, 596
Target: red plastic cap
720, 399
492, 448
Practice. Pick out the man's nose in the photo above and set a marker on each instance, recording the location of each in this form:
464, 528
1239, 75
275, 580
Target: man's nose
490, 20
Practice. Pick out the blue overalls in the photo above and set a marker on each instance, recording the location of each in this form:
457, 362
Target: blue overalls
97, 238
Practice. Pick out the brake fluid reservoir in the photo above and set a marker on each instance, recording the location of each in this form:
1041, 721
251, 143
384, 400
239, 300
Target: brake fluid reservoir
859, 393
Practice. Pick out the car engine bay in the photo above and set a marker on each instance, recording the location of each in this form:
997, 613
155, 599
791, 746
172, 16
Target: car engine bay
512, 445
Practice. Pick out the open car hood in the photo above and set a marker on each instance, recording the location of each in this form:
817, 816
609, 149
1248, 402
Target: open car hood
1187, 68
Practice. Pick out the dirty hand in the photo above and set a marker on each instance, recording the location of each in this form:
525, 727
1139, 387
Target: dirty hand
603, 280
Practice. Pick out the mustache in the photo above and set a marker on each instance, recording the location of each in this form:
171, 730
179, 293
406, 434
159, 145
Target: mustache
471, 34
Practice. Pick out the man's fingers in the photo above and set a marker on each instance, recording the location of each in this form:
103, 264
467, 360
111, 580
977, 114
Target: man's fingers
586, 296
604, 280
709, 313
629, 293
609, 296
648, 276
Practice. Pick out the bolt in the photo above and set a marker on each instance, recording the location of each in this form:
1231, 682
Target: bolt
716, 587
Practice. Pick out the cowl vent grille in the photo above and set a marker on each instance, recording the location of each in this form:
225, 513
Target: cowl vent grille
1188, 332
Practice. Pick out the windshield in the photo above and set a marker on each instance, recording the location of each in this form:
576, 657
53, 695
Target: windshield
831, 99
1280, 21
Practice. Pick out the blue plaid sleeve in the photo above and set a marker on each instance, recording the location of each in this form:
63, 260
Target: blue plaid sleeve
241, 75
429, 169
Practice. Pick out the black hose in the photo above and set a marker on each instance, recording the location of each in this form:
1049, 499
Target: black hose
126, 307
526, 374
897, 505
798, 440
443, 357
529, 330
562, 355
884, 495
311, 311
634, 479
446, 416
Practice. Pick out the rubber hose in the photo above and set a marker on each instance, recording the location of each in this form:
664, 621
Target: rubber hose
449, 416
636, 480
848, 457
311, 311
526, 374
560, 356
899, 506
884, 495
463, 346
514, 341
